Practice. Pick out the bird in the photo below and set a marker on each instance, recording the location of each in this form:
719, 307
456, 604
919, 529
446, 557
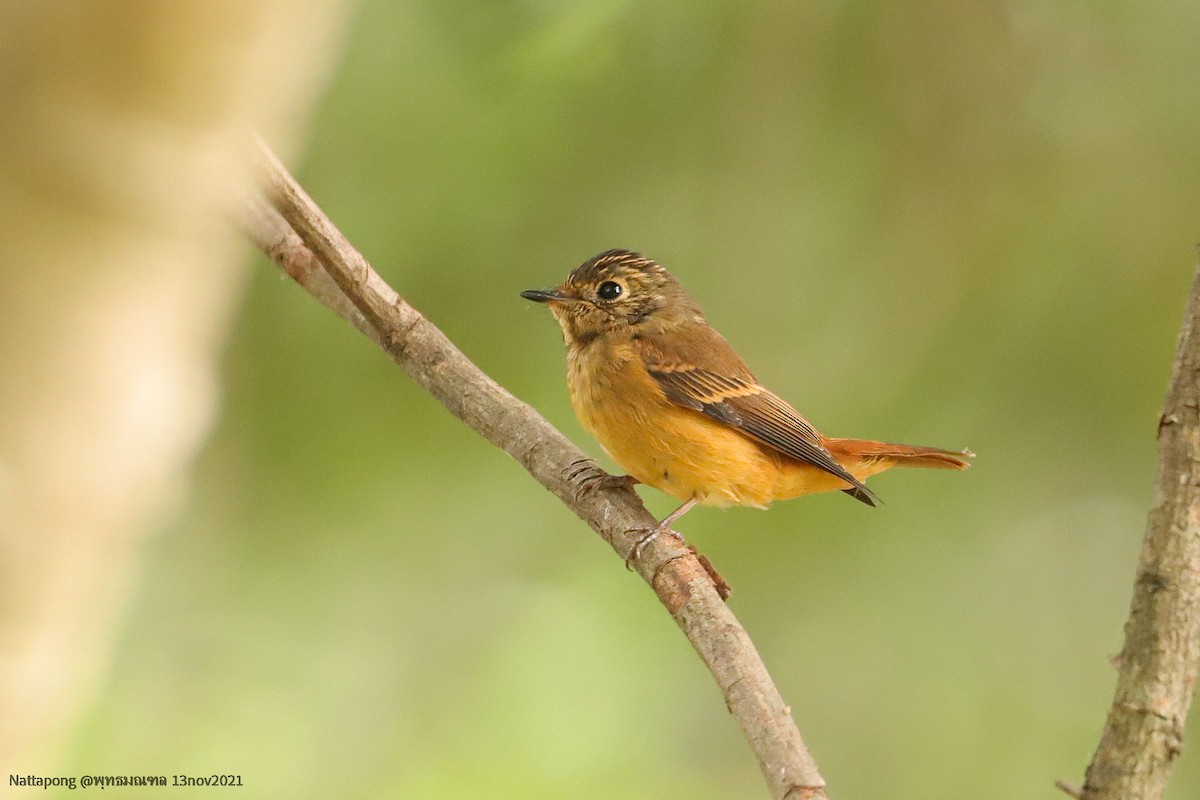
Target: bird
672, 402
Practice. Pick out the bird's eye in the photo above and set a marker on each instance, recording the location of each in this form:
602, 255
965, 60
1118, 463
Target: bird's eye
609, 290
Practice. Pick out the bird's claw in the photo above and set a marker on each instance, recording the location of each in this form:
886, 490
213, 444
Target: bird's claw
587, 476
646, 538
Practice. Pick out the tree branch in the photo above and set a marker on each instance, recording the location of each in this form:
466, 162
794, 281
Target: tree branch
1158, 664
300, 237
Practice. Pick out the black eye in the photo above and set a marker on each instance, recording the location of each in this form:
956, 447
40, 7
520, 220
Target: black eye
609, 290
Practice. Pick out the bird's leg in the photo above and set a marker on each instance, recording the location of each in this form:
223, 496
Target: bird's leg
587, 476
635, 552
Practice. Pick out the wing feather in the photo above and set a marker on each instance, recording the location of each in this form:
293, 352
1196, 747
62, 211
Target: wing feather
713, 380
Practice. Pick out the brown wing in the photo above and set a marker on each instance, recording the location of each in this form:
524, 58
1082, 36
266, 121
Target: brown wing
701, 371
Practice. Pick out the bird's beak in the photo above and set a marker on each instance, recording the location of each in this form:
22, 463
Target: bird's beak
546, 296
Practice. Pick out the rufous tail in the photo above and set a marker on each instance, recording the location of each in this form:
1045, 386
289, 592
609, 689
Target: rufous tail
864, 458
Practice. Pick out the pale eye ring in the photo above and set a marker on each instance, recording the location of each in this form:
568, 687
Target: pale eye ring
609, 290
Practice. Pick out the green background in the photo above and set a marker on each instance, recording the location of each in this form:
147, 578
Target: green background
938, 223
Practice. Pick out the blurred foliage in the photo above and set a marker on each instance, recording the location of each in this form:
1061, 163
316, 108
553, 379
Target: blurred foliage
959, 225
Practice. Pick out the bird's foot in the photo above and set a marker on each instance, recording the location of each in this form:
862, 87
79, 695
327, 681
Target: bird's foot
649, 535
587, 476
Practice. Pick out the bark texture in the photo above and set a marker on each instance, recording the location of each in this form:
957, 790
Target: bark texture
1158, 664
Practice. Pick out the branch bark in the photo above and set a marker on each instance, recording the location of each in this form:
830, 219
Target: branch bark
1158, 664
299, 238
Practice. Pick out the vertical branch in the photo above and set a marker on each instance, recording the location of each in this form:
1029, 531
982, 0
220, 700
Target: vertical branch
1158, 664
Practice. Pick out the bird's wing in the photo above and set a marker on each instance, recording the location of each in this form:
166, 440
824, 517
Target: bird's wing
701, 371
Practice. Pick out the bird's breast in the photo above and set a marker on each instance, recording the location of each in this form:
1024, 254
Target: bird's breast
674, 449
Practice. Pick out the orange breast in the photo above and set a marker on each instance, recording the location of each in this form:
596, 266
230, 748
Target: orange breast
674, 449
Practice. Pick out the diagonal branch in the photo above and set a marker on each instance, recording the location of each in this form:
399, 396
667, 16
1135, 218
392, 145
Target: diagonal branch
1157, 666
299, 238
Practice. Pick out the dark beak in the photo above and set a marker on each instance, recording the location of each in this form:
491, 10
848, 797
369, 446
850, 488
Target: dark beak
546, 296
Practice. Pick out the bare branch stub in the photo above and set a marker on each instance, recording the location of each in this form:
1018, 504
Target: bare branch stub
679, 579
1069, 789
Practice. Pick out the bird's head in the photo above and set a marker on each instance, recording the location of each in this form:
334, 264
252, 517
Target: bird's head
617, 291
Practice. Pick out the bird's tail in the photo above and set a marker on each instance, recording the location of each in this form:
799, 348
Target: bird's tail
864, 458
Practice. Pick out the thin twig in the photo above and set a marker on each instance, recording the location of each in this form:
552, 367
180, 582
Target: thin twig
1073, 791
677, 576
1158, 664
